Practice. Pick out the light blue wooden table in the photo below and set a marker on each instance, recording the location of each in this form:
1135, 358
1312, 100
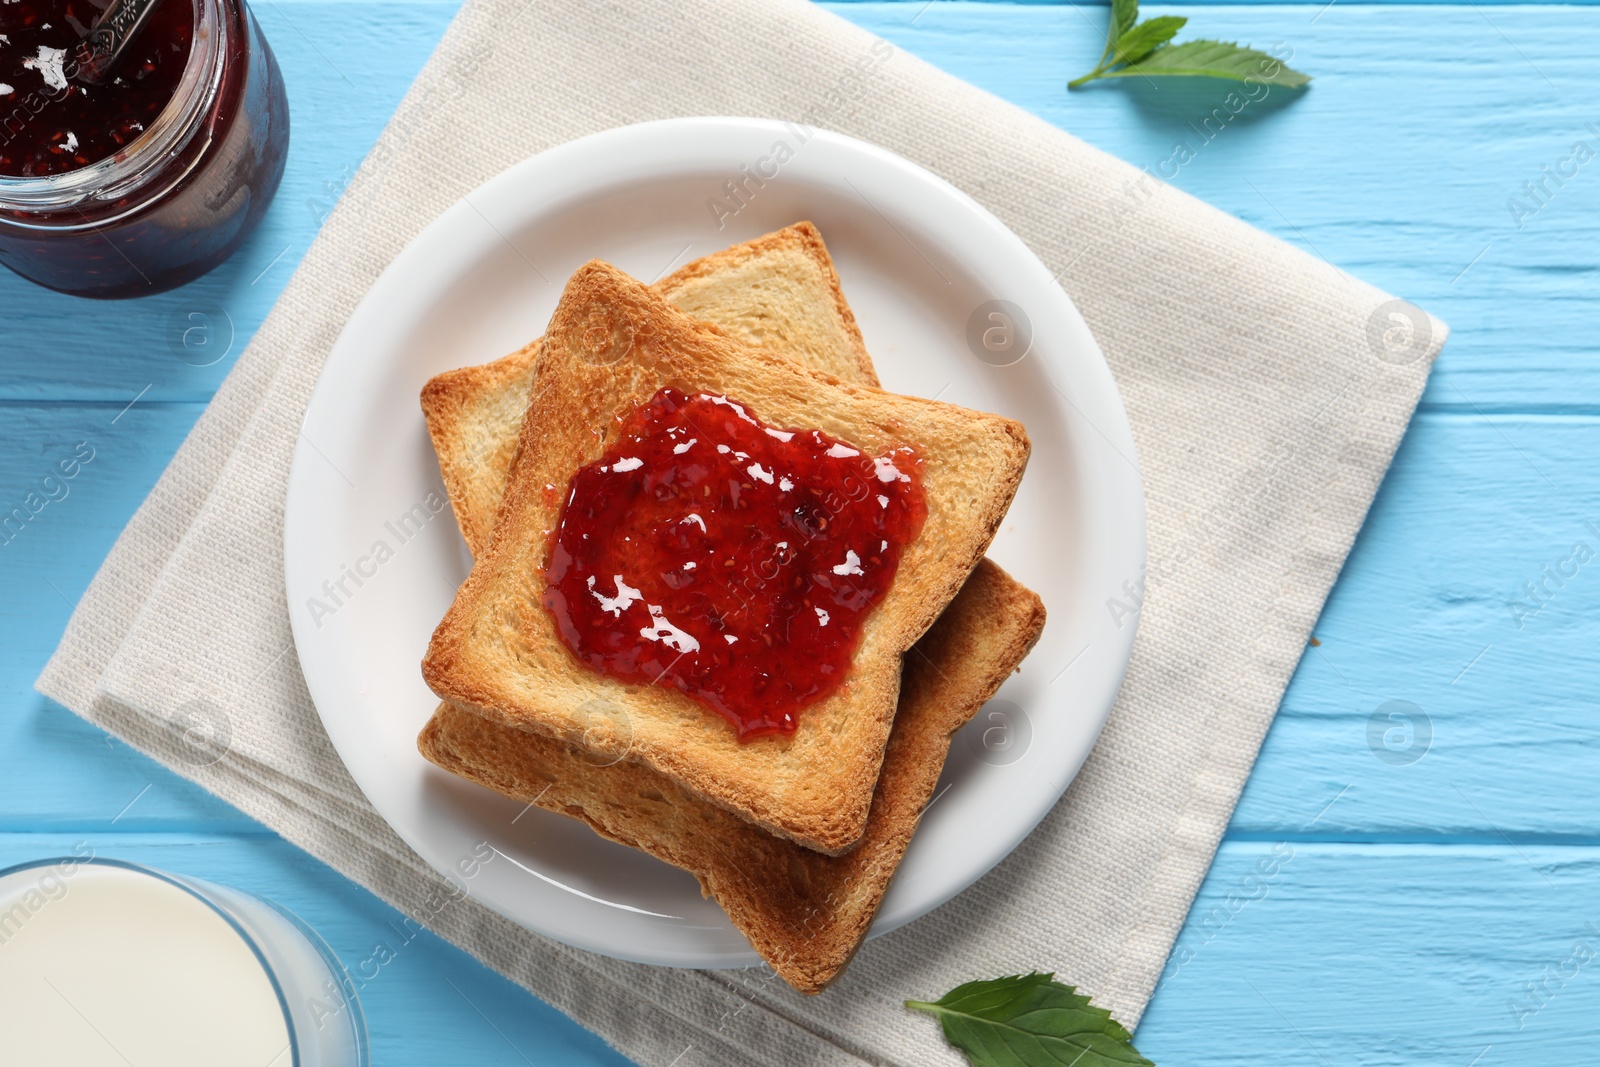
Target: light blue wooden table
1440, 910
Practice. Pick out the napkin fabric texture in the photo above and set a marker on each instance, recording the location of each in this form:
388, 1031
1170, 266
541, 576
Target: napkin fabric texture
1267, 393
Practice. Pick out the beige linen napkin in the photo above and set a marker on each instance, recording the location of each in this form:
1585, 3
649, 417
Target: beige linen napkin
1267, 393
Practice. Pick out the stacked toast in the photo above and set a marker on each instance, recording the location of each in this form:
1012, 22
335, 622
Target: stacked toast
796, 830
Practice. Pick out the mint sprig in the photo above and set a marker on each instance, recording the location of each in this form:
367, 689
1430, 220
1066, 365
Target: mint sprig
1031, 1021
1141, 49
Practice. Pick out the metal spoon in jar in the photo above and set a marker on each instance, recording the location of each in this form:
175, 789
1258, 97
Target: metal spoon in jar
109, 37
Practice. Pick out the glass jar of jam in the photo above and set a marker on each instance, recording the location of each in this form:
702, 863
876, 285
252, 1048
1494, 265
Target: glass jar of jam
151, 178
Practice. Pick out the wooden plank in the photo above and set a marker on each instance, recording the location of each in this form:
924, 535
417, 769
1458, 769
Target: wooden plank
1433, 610
58, 770
1427, 595
1397, 956
1421, 615
1396, 165
426, 1001
1296, 953
1407, 197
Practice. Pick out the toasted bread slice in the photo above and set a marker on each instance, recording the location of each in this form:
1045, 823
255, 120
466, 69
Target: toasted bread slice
612, 344
804, 912
806, 925
779, 291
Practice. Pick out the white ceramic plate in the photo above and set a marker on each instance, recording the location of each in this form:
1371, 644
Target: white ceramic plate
918, 260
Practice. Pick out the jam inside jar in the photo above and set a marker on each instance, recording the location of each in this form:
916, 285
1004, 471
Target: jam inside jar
147, 181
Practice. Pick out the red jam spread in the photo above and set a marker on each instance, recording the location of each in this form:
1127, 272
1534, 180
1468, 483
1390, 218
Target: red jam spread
729, 559
50, 123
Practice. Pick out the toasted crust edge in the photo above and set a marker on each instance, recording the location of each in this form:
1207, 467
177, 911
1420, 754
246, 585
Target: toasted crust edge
806, 234
445, 399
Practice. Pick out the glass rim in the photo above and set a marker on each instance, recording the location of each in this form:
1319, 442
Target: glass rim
135, 168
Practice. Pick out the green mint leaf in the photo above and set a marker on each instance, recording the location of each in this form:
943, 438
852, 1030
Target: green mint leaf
1141, 48
1146, 37
1124, 13
1031, 1021
1214, 59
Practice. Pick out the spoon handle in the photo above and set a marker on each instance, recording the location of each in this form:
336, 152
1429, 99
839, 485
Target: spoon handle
109, 37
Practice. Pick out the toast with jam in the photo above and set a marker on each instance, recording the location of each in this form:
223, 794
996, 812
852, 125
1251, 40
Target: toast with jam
621, 371
781, 292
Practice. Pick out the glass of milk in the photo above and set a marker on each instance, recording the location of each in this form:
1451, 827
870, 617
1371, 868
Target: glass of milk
106, 962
